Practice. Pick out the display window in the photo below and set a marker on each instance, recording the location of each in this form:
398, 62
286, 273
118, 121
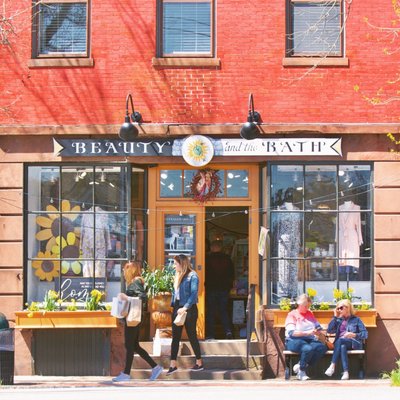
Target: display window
77, 235
320, 221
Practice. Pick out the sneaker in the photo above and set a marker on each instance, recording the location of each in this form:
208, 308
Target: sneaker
156, 372
296, 368
172, 370
302, 376
229, 336
345, 376
197, 367
331, 370
122, 377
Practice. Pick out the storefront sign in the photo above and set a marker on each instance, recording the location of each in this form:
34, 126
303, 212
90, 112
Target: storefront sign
111, 147
281, 147
190, 150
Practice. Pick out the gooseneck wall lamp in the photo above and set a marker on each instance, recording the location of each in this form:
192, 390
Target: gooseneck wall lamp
250, 129
128, 130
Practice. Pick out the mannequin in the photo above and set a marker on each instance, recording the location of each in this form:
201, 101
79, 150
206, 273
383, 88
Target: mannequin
288, 239
350, 236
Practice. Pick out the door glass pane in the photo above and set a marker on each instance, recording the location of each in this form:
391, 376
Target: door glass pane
179, 236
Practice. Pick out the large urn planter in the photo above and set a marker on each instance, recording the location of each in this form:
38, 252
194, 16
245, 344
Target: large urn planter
64, 319
160, 307
325, 316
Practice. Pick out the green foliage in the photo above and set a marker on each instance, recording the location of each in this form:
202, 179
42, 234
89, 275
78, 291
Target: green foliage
158, 280
393, 375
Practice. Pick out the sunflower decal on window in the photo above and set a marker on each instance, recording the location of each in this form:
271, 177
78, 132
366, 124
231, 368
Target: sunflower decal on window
68, 248
48, 268
54, 225
62, 238
197, 150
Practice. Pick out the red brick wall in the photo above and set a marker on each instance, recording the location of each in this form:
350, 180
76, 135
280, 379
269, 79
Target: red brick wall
250, 44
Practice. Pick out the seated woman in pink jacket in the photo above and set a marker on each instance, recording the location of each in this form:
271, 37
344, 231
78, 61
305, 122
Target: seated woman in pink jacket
301, 332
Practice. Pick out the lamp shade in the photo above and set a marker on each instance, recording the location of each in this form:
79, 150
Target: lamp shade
128, 131
249, 131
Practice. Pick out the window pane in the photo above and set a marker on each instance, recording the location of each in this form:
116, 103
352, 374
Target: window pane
77, 187
316, 28
284, 279
62, 28
43, 188
320, 187
320, 234
171, 183
186, 27
237, 183
286, 185
355, 185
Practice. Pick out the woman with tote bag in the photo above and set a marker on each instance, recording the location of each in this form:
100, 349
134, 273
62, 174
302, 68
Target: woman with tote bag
135, 288
184, 301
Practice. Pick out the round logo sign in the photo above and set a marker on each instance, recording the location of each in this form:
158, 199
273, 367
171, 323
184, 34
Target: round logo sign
197, 150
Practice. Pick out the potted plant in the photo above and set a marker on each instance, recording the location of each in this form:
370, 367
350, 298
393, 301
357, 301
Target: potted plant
159, 284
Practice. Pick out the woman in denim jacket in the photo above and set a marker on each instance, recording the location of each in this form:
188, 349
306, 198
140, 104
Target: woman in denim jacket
185, 298
350, 332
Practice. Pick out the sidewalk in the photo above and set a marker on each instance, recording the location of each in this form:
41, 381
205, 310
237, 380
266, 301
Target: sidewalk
40, 382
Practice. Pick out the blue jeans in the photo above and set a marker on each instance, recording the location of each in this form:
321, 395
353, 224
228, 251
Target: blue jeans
340, 351
310, 350
217, 303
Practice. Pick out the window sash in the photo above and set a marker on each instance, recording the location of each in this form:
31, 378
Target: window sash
61, 29
315, 28
185, 28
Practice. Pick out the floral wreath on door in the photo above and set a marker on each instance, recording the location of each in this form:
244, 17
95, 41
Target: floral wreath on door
205, 185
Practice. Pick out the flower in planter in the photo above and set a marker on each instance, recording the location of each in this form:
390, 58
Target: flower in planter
285, 304
72, 306
93, 301
50, 302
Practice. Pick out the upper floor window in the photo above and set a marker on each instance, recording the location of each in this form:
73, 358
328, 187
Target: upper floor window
60, 28
315, 28
185, 28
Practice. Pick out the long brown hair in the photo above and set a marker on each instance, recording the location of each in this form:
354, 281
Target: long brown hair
132, 271
186, 267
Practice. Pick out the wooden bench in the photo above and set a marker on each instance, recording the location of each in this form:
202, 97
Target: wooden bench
290, 355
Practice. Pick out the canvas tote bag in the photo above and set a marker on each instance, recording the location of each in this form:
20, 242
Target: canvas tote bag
119, 307
180, 319
134, 316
